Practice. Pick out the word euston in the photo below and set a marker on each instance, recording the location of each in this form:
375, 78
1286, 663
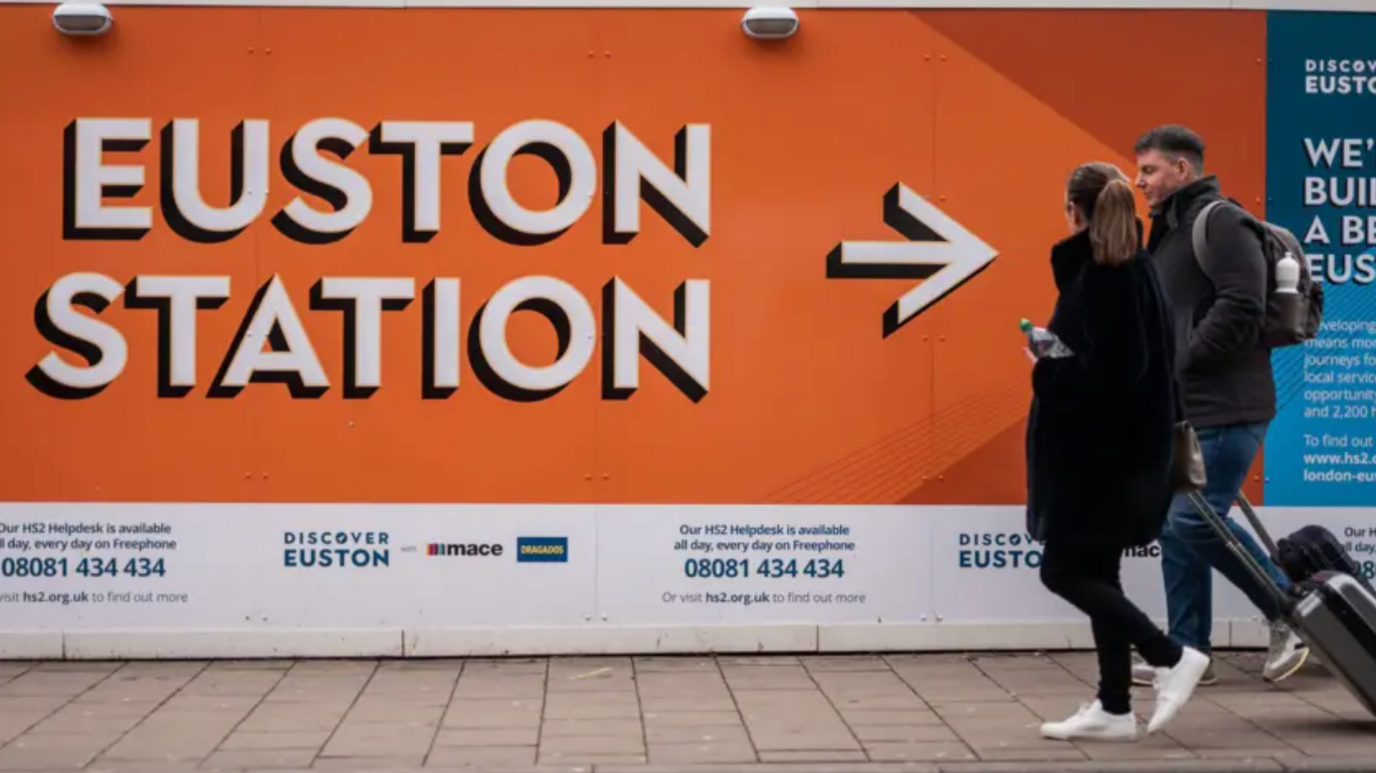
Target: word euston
272, 345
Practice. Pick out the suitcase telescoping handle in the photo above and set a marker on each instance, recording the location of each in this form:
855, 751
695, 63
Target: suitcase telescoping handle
1260, 530
1278, 594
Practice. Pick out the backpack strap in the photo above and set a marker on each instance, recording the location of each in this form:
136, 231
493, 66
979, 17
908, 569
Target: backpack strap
1199, 234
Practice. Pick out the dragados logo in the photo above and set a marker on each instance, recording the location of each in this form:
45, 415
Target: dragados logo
542, 549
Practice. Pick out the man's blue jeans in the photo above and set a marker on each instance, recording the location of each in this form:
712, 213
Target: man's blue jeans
1191, 549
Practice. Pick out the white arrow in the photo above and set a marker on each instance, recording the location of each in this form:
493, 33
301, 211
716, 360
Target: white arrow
939, 251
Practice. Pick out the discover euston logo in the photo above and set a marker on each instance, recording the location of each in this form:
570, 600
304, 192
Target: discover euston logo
1016, 550
336, 549
1340, 76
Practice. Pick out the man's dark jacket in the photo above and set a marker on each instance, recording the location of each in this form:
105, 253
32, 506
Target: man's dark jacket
1225, 372
1099, 434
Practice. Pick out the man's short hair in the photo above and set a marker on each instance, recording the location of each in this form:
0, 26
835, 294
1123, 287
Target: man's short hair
1176, 141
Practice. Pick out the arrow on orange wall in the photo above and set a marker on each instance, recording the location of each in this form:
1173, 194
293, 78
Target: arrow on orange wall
939, 251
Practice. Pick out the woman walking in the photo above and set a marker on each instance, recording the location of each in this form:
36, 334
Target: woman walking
1099, 447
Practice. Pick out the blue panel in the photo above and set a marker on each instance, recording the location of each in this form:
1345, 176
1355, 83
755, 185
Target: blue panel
1321, 182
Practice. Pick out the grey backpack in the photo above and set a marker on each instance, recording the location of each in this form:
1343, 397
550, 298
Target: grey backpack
1290, 318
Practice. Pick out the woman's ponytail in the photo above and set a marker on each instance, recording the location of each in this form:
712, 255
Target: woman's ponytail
1113, 229
1103, 196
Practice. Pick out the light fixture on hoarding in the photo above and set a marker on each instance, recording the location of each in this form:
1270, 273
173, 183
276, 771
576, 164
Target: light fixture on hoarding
770, 22
82, 18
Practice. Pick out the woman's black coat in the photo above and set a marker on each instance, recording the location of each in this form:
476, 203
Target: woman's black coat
1099, 436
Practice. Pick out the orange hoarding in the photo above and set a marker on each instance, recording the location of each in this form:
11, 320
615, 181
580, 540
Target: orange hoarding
549, 256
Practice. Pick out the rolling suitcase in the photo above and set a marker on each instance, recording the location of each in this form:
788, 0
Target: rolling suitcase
1332, 611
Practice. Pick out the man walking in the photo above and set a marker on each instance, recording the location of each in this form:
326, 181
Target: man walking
1226, 383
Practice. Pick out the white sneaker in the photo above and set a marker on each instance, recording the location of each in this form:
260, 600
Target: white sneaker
1286, 655
1144, 674
1174, 686
1092, 723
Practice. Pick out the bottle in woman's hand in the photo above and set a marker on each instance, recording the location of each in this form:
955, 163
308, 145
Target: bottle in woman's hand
1044, 343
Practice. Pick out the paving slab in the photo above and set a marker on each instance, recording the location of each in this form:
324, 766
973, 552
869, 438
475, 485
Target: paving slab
696, 735
78, 718
67, 752
592, 705
261, 759
811, 756
385, 740
650, 665
493, 713
699, 703
487, 737
554, 728
266, 741
483, 757
653, 719
897, 713
630, 743
295, 717
846, 663
702, 753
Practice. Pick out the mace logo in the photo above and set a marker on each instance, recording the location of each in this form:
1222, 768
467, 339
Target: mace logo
463, 549
542, 550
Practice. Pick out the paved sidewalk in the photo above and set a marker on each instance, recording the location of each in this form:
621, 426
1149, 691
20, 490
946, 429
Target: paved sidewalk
906, 712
